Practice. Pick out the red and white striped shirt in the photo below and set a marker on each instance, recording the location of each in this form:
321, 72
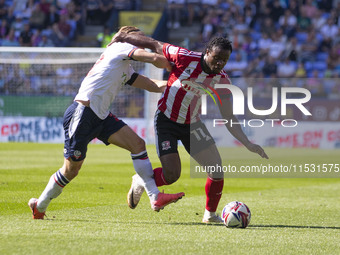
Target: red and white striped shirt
186, 84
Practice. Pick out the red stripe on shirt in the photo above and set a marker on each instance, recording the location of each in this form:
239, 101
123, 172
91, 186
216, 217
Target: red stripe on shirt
177, 104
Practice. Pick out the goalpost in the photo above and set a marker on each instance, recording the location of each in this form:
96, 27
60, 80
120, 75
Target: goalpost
42, 82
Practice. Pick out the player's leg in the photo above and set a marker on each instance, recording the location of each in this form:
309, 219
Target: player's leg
56, 184
124, 137
204, 151
70, 168
78, 131
167, 134
214, 183
170, 170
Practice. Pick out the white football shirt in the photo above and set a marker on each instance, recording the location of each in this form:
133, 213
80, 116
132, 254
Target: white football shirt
103, 82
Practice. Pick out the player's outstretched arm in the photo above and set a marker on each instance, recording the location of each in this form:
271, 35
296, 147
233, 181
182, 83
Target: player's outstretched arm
156, 59
143, 82
139, 40
161, 84
236, 131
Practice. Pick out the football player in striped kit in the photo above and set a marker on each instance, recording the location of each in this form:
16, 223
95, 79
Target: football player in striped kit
88, 117
177, 116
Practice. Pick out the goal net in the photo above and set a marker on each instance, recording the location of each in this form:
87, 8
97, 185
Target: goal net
42, 82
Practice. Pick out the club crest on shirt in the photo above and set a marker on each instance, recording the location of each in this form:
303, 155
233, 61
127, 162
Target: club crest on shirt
77, 154
166, 145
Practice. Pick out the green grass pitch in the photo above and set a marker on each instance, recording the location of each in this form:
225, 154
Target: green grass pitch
91, 216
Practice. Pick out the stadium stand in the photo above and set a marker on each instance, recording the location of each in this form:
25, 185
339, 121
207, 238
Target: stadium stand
310, 37
274, 34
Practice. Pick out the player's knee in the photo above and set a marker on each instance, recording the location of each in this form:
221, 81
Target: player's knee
172, 176
139, 146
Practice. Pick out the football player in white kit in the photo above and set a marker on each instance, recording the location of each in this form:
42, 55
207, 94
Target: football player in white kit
88, 117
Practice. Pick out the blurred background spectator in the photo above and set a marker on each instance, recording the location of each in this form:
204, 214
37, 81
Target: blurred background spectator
271, 38
175, 8
105, 37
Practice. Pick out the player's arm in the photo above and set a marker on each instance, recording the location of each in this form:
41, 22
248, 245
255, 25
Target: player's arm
235, 130
142, 82
139, 40
161, 84
150, 57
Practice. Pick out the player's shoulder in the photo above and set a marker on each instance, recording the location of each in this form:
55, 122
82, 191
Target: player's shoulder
122, 50
177, 50
190, 54
120, 46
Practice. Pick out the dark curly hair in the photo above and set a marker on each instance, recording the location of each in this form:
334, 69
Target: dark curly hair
220, 42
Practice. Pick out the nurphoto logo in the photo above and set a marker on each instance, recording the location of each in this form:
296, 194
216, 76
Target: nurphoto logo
239, 102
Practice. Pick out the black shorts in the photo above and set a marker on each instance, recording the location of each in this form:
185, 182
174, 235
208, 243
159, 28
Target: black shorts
82, 125
195, 137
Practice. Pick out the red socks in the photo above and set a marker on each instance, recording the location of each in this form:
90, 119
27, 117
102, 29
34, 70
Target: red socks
213, 191
159, 177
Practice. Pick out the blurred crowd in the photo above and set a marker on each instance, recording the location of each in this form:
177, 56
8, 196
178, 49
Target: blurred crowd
56, 23
63, 80
271, 38
38, 79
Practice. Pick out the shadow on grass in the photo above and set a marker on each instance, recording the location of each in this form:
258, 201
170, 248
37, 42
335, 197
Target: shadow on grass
205, 224
291, 226
142, 222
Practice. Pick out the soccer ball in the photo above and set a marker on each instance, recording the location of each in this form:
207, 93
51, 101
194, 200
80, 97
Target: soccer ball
236, 215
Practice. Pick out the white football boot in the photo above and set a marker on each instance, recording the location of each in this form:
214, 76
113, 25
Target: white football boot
136, 191
210, 217
213, 219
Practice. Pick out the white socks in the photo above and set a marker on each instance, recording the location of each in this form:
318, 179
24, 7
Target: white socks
144, 169
53, 189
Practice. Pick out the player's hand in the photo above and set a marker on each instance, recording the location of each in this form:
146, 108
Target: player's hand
168, 67
118, 37
257, 149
